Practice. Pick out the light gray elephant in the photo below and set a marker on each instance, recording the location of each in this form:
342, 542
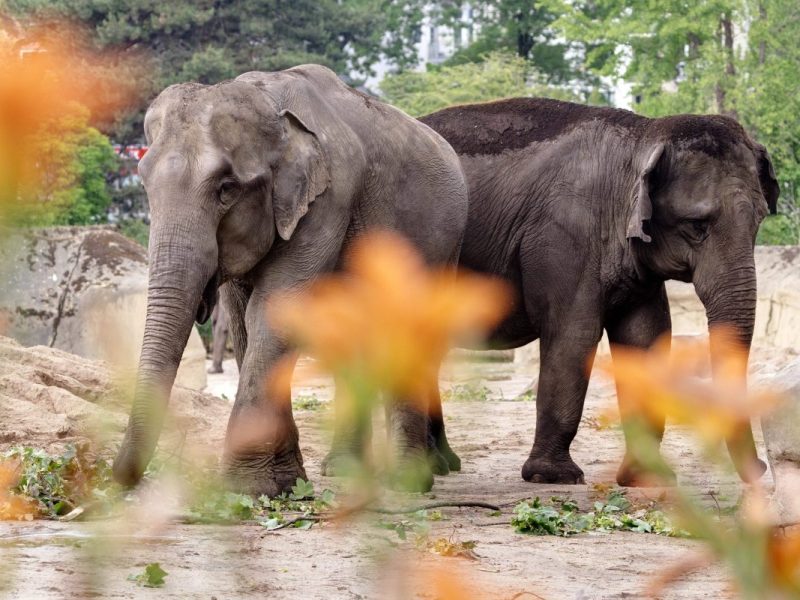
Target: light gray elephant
260, 184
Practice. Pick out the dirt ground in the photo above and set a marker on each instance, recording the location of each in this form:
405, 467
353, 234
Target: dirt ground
47, 559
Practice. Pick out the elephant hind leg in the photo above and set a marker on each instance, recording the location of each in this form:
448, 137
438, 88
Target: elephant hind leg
441, 455
640, 327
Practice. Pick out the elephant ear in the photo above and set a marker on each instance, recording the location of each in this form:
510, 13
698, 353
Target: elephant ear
300, 175
767, 179
642, 209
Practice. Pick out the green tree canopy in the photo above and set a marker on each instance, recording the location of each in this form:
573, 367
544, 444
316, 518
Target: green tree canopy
72, 163
499, 75
212, 40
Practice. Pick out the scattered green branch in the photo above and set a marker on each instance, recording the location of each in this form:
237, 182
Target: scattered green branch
564, 518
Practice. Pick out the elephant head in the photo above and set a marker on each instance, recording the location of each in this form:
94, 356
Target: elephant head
228, 175
703, 188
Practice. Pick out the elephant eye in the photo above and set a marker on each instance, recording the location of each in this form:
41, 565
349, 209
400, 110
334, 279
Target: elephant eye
698, 229
227, 186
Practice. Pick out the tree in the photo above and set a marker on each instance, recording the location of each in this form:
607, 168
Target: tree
212, 40
54, 165
499, 75
522, 27
72, 162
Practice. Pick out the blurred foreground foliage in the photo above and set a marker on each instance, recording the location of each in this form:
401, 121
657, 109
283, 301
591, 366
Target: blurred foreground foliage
660, 383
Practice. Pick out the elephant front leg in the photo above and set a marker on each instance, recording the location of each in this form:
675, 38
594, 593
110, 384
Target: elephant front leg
566, 358
640, 327
352, 434
262, 454
407, 425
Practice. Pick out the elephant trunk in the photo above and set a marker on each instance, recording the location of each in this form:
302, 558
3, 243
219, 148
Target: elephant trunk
182, 287
729, 297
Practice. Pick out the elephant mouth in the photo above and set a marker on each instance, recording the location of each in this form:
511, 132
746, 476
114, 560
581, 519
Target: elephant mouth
208, 299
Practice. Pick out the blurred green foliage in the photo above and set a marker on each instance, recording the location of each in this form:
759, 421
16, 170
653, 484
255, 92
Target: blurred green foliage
211, 40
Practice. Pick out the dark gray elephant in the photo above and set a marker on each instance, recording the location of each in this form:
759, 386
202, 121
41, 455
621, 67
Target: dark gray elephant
587, 211
260, 183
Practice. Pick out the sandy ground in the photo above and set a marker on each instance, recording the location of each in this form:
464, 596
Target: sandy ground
360, 560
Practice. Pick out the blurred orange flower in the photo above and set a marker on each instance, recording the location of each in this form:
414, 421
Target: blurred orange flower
388, 320
662, 382
783, 558
443, 583
13, 507
44, 67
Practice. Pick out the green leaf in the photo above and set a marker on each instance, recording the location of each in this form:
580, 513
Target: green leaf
272, 523
327, 497
302, 490
152, 576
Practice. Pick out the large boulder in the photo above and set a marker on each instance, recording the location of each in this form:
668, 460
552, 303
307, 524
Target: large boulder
49, 398
83, 290
782, 439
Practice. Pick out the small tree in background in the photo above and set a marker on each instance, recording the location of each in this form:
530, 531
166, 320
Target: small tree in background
72, 161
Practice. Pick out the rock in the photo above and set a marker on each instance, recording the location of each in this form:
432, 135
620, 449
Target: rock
83, 290
49, 398
782, 439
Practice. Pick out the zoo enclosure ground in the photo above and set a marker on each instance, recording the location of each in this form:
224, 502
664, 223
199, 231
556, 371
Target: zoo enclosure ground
357, 560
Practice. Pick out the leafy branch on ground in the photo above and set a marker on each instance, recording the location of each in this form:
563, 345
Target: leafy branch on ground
309, 402
152, 576
228, 507
59, 484
466, 392
416, 526
564, 518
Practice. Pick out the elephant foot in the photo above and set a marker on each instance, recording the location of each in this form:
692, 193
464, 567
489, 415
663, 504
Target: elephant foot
552, 469
339, 463
453, 461
265, 475
412, 473
632, 473
438, 463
